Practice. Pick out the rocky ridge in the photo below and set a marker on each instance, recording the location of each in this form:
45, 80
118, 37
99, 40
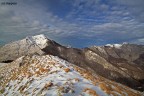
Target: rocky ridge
51, 76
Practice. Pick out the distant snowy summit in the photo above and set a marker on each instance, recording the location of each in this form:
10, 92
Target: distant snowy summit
40, 40
29, 45
114, 45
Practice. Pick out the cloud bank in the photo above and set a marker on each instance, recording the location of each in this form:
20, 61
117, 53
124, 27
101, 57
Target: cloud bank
79, 23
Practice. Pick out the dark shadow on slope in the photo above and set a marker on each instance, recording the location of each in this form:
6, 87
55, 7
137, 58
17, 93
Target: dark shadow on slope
7, 61
77, 56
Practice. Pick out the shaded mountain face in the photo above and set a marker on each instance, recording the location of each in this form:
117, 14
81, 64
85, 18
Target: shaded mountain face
121, 63
125, 63
51, 76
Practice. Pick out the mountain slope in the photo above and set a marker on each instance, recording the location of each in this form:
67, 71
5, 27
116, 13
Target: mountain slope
114, 63
123, 63
51, 76
29, 45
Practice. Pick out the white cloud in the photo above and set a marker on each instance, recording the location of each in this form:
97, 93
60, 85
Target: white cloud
88, 19
138, 41
135, 7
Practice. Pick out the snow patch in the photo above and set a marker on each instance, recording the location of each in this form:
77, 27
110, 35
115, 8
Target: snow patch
39, 40
118, 46
109, 45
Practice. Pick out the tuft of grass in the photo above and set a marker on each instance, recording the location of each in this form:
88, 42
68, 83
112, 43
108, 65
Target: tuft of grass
2, 91
67, 70
21, 88
105, 88
90, 91
47, 85
1, 77
131, 93
44, 70
59, 92
76, 79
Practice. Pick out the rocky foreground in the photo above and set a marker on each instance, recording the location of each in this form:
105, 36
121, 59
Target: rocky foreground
51, 76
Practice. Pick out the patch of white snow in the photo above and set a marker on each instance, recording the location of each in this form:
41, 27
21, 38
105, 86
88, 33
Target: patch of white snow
40, 40
118, 46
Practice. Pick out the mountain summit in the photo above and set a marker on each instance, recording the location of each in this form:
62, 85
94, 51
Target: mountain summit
39, 40
29, 45
123, 63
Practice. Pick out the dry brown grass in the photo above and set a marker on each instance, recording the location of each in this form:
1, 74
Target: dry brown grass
117, 89
90, 91
56, 71
2, 91
95, 82
125, 89
66, 70
47, 85
87, 75
41, 70
52, 63
115, 94
130, 93
105, 88
37, 73
79, 70
61, 66
76, 79
27, 74
44, 70
21, 88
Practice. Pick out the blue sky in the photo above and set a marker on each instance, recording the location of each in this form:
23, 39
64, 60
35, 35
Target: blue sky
78, 23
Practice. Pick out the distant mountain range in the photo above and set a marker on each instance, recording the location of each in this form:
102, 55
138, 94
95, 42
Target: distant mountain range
123, 63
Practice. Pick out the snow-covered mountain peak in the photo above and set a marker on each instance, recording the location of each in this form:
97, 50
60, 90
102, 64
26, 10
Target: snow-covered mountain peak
118, 46
39, 40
